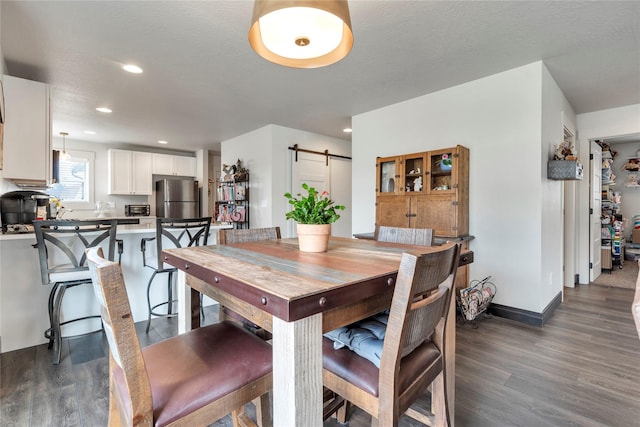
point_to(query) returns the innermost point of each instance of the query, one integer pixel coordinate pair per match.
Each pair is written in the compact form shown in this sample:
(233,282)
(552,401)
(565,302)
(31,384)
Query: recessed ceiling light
(132,68)
(347,130)
(89,132)
(104,109)
(163,142)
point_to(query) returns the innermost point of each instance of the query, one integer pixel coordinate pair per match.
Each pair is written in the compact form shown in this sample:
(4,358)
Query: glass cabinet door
(442,171)
(388,179)
(414,172)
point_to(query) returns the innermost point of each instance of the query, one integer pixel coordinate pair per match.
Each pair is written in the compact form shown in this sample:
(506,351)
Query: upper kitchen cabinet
(166,164)
(130,172)
(27,132)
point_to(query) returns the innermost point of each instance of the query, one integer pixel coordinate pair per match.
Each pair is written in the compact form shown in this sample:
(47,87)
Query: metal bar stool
(61,245)
(182,232)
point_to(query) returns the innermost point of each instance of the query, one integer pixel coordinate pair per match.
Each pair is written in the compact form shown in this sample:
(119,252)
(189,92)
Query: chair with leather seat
(413,350)
(61,245)
(176,233)
(407,236)
(190,379)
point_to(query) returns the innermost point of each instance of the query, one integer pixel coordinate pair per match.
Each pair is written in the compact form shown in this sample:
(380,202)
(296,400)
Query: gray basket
(564,170)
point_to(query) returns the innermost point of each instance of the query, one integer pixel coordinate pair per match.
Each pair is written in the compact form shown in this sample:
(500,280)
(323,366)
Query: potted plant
(314,214)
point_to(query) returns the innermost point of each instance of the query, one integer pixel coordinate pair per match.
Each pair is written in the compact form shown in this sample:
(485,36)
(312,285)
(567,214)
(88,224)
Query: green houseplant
(314,214)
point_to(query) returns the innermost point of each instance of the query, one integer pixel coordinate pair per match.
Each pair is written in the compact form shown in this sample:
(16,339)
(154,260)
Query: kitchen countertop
(123,229)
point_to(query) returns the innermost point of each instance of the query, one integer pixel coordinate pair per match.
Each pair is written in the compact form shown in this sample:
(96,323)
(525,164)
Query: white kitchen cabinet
(166,164)
(27,131)
(130,172)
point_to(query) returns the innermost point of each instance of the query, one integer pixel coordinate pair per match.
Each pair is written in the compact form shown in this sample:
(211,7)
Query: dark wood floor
(581,369)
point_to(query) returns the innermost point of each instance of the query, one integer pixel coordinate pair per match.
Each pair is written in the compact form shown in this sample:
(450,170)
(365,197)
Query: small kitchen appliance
(18,210)
(137,210)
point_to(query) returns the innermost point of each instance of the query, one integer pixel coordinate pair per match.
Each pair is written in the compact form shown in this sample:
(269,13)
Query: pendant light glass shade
(64,156)
(301,33)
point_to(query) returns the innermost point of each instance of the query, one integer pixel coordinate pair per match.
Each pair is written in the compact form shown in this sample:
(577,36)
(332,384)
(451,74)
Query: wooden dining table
(297,296)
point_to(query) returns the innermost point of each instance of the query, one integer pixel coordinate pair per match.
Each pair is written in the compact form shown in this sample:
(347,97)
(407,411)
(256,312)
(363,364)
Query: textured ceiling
(203,84)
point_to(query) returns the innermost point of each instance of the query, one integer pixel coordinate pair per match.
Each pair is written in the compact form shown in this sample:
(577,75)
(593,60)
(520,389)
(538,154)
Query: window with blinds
(75,185)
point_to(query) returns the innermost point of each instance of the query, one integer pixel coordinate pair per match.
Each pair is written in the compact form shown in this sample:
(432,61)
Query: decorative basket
(476,298)
(564,170)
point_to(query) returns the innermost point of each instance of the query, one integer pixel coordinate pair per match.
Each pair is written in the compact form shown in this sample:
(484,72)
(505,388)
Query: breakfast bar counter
(23,298)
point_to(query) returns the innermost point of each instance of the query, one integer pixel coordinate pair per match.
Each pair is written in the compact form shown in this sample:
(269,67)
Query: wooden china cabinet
(425,190)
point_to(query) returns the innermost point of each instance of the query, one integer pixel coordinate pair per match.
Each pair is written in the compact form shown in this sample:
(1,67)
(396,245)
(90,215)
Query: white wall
(499,119)
(557,113)
(599,124)
(265,153)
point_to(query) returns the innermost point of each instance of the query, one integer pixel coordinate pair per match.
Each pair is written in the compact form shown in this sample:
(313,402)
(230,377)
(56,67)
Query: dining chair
(230,236)
(635,306)
(413,350)
(177,233)
(407,236)
(61,245)
(190,379)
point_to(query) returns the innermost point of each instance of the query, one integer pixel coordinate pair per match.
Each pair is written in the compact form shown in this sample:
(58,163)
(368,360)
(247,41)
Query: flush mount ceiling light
(163,142)
(301,33)
(104,110)
(132,68)
(64,156)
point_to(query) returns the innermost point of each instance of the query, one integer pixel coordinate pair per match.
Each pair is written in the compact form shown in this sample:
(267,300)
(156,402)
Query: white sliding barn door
(333,176)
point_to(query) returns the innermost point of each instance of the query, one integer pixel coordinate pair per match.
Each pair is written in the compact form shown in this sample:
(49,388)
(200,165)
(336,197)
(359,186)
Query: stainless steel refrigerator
(177,198)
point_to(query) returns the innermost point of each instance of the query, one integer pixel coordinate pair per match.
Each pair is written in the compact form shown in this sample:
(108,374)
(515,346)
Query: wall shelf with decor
(632,167)
(232,203)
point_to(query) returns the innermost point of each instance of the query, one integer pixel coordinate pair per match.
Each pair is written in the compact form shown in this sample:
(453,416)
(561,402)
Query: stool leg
(57,334)
(170,293)
(149,299)
(49,332)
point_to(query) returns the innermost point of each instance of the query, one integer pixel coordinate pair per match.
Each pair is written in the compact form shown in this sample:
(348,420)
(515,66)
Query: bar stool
(178,232)
(61,245)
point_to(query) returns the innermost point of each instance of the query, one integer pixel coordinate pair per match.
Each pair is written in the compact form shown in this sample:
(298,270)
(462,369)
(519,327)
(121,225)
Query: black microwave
(137,210)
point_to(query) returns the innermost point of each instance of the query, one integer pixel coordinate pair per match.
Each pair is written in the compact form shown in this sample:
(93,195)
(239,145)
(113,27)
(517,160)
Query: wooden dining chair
(413,353)
(407,236)
(190,379)
(230,235)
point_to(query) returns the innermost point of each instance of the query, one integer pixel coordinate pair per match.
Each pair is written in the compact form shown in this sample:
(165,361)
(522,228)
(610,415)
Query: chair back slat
(406,236)
(124,347)
(62,244)
(174,230)
(228,236)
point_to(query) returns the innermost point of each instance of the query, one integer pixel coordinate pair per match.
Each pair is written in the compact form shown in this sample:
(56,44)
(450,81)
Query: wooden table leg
(184,303)
(297,372)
